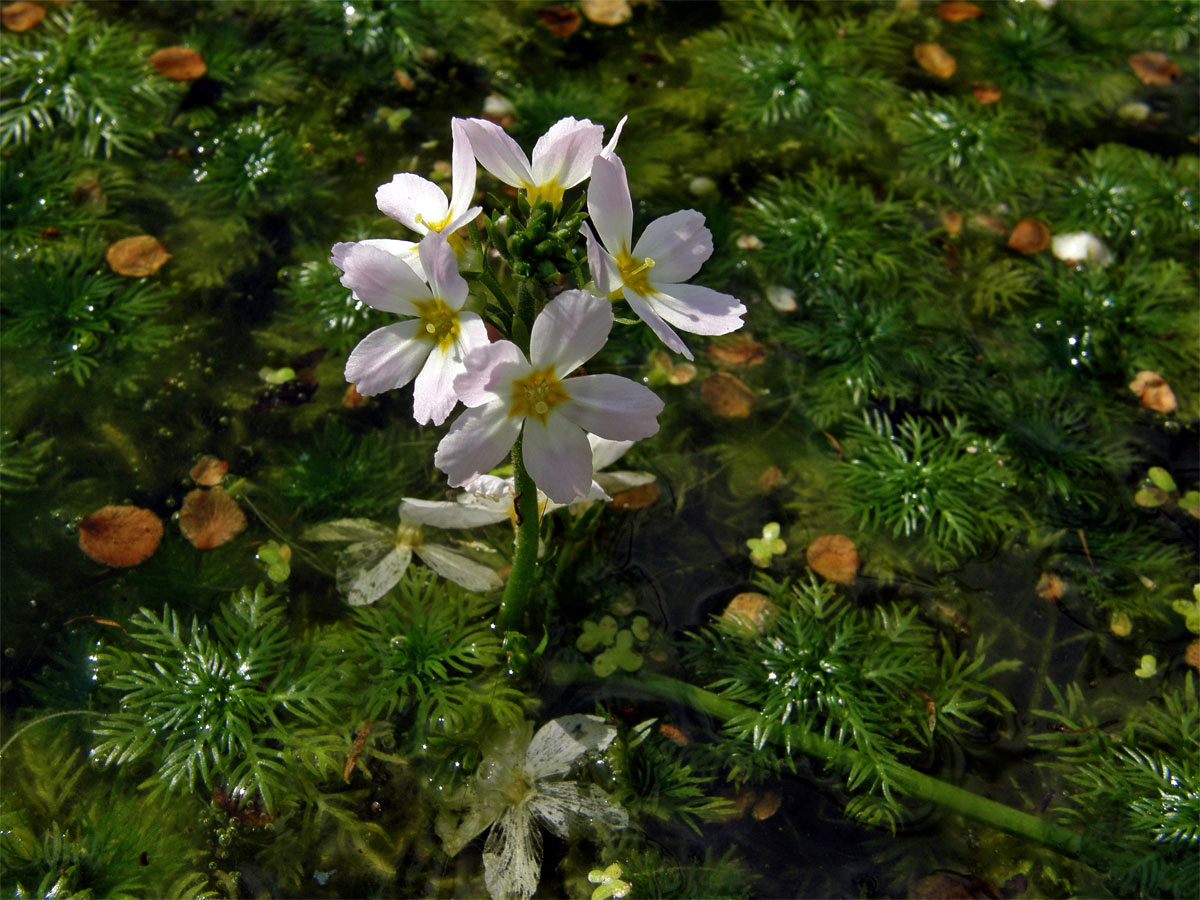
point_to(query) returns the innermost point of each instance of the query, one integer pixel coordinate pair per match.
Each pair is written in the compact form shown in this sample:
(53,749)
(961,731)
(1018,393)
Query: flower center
(550,192)
(409,536)
(435,226)
(633,274)
(518,787)
(536,394)
(439,323)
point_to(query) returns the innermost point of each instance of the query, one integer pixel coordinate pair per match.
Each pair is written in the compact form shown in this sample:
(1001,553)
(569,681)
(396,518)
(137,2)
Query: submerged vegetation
(963,405)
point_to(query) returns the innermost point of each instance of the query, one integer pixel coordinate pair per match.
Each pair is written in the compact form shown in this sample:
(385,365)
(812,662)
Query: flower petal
(600,263)
(477,441)
(557,457)
(621,480)
(402,250)
(611,146)
(441,268)
(433,391)
(679,244)
(382,280)
(367,571)
(700,310)
(462,178)
(497,152)
(560,742)
(606,452)
(612,407)
(464,572)
(347,530)
(610,205)
(449,514)
(564,154)
(387,358)
(512,856)
(490,371)
(489,489)
(664,331)
(412,200)
(569,331)
(569,808)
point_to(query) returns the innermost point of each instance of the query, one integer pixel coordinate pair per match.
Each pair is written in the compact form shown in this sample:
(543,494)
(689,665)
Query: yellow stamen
(439,323)
(550,192)
(409,536)
(537,394)
(435,226)
(633,275)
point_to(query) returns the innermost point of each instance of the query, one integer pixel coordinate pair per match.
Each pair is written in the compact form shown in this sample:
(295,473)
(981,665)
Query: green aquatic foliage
(81,78)
(22,462)
(944,487)
(312,294)
(655,875)
(238,703)
(875,680)
(70,313)
(426,651)
(1135,785)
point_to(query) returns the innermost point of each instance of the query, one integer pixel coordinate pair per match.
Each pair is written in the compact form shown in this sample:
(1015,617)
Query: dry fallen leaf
(406,81)
(957,11)
(674,735)
(607,12)
(561,21)
(637,498)
(952,221)
(727,396)
(1192,655)
(120,535)
(210,518)
(767,805)
(985,92)
(1051,587)
(209,471)
(178,63)
(352,399)
(1153,391)
(1029,236)
(1152,67)
(834,556)
(21,16)
(738,352)
(137,256)
(770,479)
(934,59)
(749,614)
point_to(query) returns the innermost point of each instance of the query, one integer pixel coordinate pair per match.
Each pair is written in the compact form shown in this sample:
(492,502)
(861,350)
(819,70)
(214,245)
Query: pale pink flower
(431,345)
(508,395)
(651,275)
(562,157)
(422,206)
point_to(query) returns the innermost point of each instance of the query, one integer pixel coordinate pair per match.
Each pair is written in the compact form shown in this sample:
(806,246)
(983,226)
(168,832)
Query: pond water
(898,600)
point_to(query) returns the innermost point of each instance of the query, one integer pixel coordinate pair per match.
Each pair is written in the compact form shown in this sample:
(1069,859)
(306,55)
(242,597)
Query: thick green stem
(900,778)
(520,580)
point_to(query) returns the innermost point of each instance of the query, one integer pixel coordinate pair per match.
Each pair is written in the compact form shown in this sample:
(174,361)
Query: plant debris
(210,518)
(137,256)
(834,557)
(727,395)
(178,63)
(607,12)
(209,471)
(739,352)
(958,11)
(120,536)
(749,614)
(1153,391)
(1152,67)
(562,21)
(935,60)
(21,16)
(1029,236)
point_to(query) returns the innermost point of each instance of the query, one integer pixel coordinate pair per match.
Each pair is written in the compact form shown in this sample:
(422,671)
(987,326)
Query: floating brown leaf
(1152,67)
(21,16)
(120,535)
(958,11)
(607,12)
(1153,391)
(352,399)
(561,21)
(637,498)
(209,471)
(935,60)
(770,479)
(952,221)
(985,92)
(406,81)
(738,352)
(1029,236)
(137,256)
(766,805)
(727,396)
(749,614)
(178,63)
(1191,655)
(210,518)
(834,556)
(1051,587)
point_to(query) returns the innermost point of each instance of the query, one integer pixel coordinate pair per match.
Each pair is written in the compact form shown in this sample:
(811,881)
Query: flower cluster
(520,386)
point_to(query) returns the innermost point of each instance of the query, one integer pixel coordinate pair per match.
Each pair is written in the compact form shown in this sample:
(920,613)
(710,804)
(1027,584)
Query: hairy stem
(520,580)
(899,777)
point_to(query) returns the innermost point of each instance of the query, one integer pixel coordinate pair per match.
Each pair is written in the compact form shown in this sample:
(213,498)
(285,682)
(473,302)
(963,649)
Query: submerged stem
(520,580)
(899,777)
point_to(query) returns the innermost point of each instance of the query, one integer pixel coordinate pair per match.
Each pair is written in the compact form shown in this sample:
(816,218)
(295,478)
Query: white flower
(421,205)
(1081,247)
(518,784)
(429,347)
(651,275)
(378,557)
(508,395)
(562,157)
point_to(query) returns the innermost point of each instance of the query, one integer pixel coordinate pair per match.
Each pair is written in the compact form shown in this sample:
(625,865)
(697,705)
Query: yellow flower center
(435,226)
(550,192)
(409,536)
(517,788)
(633,275)
(439,323)
(536,394)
